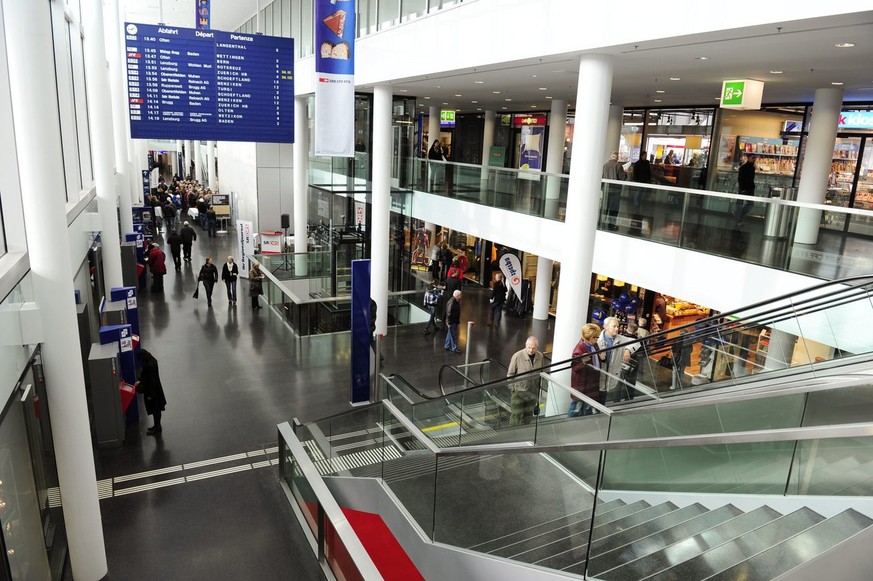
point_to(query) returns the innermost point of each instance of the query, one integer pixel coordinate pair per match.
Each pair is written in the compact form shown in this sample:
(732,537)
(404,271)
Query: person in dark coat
(745,187)
(188,236)
(175,242)
(256,285)
(498,298)
(169,212)
(149,385)
(211,222)
(453,320)
(208,276)
(229,274)
(156,260)
(585,372)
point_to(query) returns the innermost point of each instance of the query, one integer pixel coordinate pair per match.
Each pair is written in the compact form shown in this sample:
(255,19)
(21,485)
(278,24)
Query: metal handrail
(750,437)
(578,394)
(339,522)
(462,374)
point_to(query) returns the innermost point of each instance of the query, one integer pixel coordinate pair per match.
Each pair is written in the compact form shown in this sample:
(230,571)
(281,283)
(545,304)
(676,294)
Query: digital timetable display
(209,85)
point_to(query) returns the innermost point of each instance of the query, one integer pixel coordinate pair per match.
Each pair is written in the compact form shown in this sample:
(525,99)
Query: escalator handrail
(407,383)
(711,324)
(462,374)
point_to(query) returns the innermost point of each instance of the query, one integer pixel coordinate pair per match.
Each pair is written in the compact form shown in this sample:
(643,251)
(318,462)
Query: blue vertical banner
(203,15)
(335,78)
(359,391)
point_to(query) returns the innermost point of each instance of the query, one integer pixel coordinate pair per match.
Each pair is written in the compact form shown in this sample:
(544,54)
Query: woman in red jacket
(585,372)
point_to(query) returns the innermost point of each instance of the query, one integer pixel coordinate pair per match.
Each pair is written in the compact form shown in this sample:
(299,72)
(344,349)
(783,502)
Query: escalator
(762,474)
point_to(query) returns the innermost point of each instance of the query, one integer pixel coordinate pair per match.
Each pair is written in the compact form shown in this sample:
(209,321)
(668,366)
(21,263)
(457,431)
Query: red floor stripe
(387,554)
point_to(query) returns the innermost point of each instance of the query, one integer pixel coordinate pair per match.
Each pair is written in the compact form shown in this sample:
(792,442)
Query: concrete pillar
(198,161)
(613,129)
(543,288)
(301,181)
(555,156)
(433,124)
(180,171)
(114,51)
(583,204)
(382,151)
(817,161)
(210,163)
(102,143)
(33,93)
(487,142)
(189,151)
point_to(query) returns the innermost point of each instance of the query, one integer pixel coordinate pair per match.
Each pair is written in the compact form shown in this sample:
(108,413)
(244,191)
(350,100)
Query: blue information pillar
(122,336)
(360,386)
(128,295)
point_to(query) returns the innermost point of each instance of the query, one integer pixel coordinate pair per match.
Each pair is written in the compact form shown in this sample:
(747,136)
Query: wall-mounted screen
(209,85)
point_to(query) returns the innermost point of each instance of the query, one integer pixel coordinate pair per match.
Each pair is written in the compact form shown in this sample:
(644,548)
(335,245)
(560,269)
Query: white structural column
(433,124)
(101,140)
(817,161)
(555,156)
(583,203)
(487,142)
(35,114)
(198,161)
(554,165)
(111,34)
(382,99)
(212,174)
(179,170)
(189,151)
(613,129)
(301,180)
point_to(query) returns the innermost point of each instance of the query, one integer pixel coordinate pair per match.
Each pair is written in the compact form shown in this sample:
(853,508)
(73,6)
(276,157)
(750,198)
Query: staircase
(662,541)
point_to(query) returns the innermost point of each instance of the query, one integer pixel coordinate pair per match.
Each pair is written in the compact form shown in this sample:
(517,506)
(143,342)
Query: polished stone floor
(202,499)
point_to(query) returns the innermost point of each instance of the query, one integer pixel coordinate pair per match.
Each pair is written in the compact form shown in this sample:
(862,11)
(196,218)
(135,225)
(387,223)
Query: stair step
(687,547)
(799,549)
(737,550)
(542,528)
(657,534)
(563,540)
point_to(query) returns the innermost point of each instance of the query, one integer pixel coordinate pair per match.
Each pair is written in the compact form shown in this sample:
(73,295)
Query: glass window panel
(389,13)
(412,9)
(306,40)
(277,18)
(285,19)
(66,106)
(295,23)
(80,98)
(267,20)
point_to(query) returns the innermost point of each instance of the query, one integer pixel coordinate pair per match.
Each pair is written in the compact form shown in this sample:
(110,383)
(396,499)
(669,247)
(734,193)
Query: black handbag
(197,291)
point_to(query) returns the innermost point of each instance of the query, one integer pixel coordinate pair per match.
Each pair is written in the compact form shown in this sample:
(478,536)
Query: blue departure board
(209,85)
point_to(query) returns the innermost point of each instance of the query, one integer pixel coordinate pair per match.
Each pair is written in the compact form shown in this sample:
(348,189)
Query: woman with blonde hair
(256,289)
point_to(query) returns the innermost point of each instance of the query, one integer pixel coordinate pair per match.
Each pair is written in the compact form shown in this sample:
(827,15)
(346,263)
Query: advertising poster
(510,266)
(203,16)
(335,78)
(531,155)
(246,246)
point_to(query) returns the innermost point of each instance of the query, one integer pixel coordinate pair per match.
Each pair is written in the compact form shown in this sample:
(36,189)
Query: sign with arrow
(741,94)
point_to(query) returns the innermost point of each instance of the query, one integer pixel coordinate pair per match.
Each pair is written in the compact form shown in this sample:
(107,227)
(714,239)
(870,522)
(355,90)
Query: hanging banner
(510,266)
(203,16)
(531,155)
(335,78)
(246,246)
(359,389)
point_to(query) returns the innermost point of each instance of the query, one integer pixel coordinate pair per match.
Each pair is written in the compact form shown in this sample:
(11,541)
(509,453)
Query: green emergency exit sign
(733,92)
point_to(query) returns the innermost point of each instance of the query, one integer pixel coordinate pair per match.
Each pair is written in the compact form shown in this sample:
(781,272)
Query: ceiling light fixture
(844,44)
(702,58)
(504,108)
(657,100)
(445,103)
(661,91)
(427,98)
(458,95)
(548,97)
(534,76)
(544,89)
(404,90)
(533,106)
(507,100)
(836,83)
(479,82)
(495,92)
(675,79)
(775,72)
(474,102)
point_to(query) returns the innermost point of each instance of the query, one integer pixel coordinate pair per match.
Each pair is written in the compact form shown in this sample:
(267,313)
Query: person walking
(229,274)
(453,320)
(525,392)
(175,242)
(208,276)
(746,187)
(157,262)
(431,299)
(585,372)
(188,237)
(256,281)
(169,212)
(498,298)
(149,385)
(211,222)
(611,359)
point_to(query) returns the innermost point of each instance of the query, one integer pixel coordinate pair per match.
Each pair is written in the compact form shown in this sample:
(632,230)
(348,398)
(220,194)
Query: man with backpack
(432,297)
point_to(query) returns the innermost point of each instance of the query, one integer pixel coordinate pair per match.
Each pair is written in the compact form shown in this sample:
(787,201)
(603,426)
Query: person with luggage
(432,297)
(188,237)
(525,392)
(229,274)
(208,276)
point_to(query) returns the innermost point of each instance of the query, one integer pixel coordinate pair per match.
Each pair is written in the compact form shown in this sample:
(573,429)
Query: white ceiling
(803,50)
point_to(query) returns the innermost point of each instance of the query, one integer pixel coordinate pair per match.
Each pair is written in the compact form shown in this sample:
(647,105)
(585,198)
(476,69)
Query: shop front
(851,180)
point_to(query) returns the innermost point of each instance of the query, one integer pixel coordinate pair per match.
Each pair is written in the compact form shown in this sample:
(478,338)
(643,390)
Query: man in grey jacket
(611,361)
